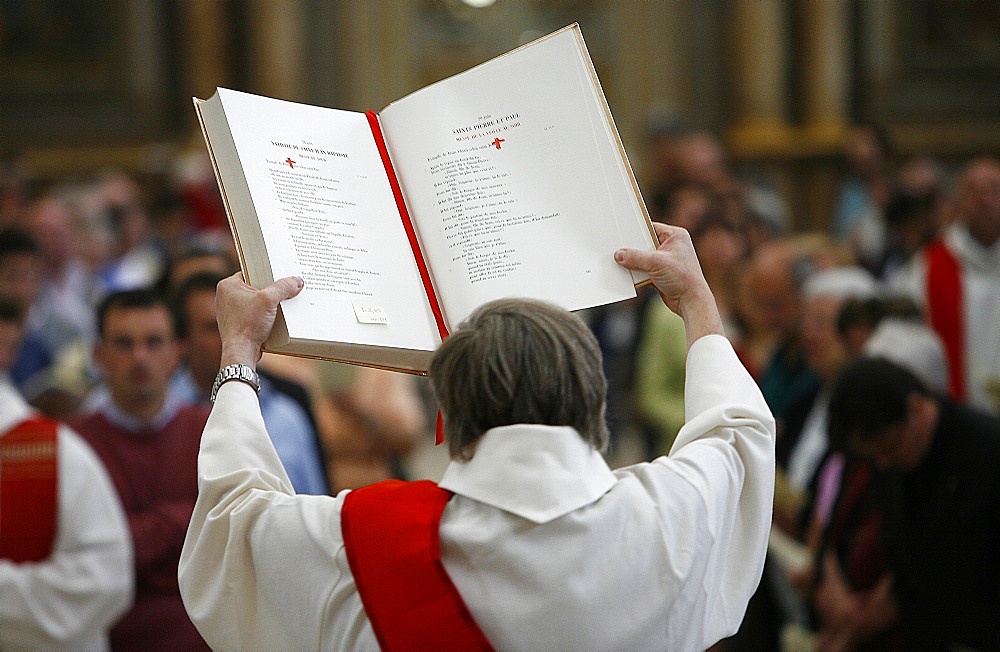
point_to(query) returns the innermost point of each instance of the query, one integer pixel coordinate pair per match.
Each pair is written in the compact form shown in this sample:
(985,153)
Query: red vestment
(28,490)
(945,312)
(391,536)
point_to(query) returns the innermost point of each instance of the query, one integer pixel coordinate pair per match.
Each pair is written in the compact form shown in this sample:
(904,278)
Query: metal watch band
(241,372)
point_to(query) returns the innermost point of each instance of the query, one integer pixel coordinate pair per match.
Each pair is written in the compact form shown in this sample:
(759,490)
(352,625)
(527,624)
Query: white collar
(534,471)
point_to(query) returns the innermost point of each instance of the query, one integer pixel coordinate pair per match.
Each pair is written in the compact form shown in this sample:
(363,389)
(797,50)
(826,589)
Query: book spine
(411,234)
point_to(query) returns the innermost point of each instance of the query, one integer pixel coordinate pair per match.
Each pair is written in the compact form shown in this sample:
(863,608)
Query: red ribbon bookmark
(411,235)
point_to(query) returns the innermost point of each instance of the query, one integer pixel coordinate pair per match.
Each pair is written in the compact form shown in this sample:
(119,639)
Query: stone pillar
(376,42)
(758,41)
(650,67)
(205,59)
(666,55)
(278,39)
(826,70)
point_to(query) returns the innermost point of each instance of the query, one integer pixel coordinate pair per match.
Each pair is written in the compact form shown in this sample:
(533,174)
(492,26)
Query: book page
(516,181)
(327,214)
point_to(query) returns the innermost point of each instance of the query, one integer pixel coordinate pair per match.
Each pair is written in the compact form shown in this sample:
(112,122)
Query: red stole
(945,311)
(28,490)
(393,547)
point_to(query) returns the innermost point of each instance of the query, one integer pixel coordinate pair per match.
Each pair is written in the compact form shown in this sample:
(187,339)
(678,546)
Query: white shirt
(70,600)
(548,547)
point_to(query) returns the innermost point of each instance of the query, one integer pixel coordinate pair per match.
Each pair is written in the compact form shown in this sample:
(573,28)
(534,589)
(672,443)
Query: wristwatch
(242,372)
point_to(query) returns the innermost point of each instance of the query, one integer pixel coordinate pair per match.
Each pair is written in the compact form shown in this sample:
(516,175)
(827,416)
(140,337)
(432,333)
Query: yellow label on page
(369,312)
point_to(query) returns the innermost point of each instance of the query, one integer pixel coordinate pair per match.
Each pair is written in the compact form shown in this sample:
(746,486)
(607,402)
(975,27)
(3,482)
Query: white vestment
(547,546)
(981,307)
(70,600)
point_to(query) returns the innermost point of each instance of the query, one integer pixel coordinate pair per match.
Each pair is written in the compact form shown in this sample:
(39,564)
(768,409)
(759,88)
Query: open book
(506,180)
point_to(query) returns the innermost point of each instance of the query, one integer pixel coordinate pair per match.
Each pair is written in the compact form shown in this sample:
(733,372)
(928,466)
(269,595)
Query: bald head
(772,283)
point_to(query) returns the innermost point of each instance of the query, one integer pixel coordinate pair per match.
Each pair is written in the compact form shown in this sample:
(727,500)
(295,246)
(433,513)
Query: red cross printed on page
(496,142)
(290,162)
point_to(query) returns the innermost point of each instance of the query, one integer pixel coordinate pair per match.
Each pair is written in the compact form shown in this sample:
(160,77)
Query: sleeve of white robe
(72,598)
(276,590)
(714,493)
(725,452)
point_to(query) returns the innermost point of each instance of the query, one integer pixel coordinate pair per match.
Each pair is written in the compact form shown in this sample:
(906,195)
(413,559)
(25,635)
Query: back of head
(203,253)
(14,240)
(904,208)
(519,361)
(870,395)
(20,266)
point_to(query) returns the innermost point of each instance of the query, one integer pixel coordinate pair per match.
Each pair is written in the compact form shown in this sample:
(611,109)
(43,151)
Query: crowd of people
(108,324)
(907,273)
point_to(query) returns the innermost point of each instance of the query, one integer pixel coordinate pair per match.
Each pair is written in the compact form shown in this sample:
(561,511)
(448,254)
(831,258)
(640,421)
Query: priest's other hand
(246,315)
(675,271)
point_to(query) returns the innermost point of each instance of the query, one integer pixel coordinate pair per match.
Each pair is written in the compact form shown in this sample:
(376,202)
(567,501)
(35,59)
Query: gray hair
(519,361)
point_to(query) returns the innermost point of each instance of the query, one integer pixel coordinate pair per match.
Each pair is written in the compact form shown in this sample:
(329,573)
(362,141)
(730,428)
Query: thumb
(284,288)
(635,259)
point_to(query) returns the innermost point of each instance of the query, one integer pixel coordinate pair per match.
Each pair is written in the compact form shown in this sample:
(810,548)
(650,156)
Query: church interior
(815,150)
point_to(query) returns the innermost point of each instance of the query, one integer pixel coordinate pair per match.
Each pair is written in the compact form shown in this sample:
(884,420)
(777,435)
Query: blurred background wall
(86,85)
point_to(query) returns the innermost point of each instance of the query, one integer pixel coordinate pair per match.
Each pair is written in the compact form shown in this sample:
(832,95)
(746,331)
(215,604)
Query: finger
(235,280)
(663,231)
(284,288)
(667,232)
